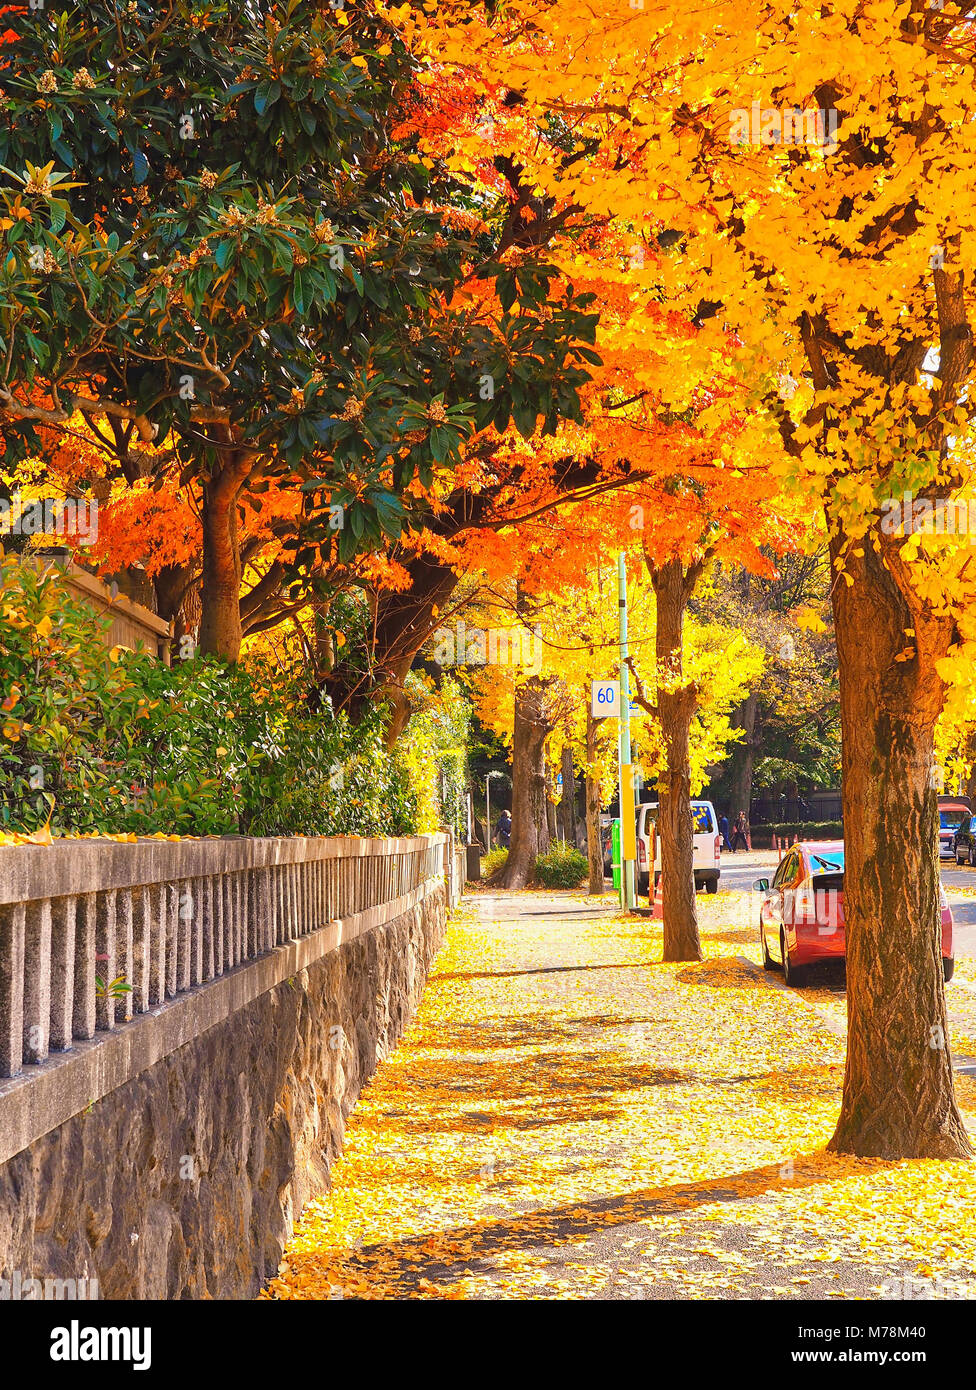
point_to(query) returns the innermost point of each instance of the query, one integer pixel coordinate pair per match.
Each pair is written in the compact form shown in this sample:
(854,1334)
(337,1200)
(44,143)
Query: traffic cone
(657,900)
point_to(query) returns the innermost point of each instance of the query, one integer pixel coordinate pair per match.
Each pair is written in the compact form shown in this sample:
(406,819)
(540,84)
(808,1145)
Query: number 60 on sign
(605,699)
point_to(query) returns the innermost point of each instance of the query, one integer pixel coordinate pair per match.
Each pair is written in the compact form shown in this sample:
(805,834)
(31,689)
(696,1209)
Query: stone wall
(185,1181)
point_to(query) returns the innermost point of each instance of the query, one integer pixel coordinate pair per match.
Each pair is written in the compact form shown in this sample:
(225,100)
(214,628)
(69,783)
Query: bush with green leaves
(493,862)
(93,740)
(562,866)
(804,830)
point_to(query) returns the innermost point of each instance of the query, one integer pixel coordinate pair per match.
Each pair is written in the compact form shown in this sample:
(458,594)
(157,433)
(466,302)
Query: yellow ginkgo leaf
(810,619)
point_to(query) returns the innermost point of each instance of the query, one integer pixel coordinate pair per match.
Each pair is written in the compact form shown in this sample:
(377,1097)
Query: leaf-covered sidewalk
(569,1118)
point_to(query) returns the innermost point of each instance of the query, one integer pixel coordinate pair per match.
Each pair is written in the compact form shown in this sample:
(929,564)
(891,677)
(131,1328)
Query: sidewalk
(569,1119)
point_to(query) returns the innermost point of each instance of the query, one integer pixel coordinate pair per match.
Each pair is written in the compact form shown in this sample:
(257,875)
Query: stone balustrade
(95,932)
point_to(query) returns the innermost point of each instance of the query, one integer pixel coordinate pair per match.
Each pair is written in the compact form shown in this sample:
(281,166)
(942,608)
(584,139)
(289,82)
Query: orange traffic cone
(657,901)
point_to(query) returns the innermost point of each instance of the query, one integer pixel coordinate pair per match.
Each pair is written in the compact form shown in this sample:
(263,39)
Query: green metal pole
(628,876)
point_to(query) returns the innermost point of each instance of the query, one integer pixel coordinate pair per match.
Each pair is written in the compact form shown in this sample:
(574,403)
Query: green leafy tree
(214,238)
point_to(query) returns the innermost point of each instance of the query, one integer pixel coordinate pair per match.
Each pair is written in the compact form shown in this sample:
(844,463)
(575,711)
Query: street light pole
(628,815)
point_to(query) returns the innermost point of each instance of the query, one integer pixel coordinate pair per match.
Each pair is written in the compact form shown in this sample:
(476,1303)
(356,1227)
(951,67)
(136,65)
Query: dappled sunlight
(562,1088)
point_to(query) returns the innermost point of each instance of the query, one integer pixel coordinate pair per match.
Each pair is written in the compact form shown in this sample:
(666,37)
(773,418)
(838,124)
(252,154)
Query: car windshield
(832,863)
(951,819)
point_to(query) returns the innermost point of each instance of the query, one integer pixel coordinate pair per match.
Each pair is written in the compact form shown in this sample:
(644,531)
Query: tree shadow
(467,1249)
(545,1090)
(449,975)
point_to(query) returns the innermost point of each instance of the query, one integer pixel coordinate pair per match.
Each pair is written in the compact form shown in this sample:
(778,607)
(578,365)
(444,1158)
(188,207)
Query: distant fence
(133,626)
(815,807)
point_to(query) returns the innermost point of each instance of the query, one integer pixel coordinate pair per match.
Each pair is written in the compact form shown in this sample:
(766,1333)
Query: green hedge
(804,830)
(493,862)
(562,866)
(117,743)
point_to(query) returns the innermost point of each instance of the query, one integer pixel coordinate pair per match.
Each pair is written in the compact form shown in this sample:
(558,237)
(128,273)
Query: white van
(708,845)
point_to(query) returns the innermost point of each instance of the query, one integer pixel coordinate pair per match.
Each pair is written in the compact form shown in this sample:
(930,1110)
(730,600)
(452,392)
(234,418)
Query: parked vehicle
(951,817)
(708,846)
(606,840)
(964,841)
(801,920)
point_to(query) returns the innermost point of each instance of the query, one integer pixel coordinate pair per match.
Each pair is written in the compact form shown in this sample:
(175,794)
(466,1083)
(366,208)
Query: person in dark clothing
(503,830)
(723,827)
(739,836)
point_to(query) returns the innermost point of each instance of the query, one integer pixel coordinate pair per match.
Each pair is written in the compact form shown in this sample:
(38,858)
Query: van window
(702,820)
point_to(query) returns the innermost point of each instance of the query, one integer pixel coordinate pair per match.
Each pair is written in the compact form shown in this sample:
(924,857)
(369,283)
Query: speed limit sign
(605,699)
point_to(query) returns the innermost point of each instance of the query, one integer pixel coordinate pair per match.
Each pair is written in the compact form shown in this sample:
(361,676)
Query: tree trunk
(567,806)
(743,758)
(677,701)
(594,801)
(530,829)
(221,633)
(899,1098)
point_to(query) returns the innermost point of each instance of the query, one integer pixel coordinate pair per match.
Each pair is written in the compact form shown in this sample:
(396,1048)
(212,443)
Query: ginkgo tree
(805,177)
(536,697)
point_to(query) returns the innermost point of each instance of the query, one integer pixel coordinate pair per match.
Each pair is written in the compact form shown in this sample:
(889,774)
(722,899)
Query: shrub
(93,740)
(493,862)
(562,866)
(804,830)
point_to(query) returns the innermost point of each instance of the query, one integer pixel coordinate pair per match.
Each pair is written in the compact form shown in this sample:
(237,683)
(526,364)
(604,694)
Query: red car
(802,916)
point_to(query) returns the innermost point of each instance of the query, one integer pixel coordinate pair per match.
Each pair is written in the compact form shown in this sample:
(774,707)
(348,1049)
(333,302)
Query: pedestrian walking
(740,834)
(723,827)
(503,830)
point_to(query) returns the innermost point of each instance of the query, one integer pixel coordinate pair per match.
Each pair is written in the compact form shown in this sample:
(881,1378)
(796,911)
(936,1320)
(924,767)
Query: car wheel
(711,885)
(948,967)
(768,962)
(793,975)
